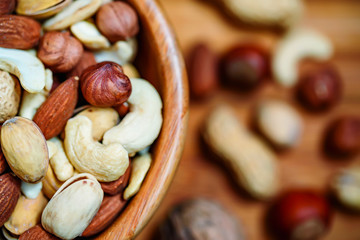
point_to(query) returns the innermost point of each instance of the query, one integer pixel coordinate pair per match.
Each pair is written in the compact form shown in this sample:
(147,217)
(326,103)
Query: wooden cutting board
(303,166)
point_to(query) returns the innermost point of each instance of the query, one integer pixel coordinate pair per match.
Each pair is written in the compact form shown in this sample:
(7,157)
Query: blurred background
(304,165)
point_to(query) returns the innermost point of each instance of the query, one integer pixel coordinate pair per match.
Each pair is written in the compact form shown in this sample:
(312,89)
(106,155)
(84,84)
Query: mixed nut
(77,119)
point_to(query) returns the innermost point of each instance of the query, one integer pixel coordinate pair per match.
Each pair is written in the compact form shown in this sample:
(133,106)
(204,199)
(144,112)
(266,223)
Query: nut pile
(77,119)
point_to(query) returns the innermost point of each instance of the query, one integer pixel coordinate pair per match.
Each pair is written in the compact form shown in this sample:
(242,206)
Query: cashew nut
(139,168)
(32,101)
(59,161)
(31,190)
(131,71)
(29,69)
(278,13)
(253,163)
(121,52)
(102,120)
(89,35)
(75,12)
(106,162)
(297,45)
(141,126)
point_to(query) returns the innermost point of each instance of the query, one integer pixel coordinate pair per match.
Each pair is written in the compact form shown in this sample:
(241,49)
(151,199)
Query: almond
(37,232)
(110,207)
(117,186)
(53,114)
(3,164)
(9,194)
(18,32)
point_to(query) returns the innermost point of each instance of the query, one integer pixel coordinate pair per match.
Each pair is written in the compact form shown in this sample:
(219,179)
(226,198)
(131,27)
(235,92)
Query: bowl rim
(176,104)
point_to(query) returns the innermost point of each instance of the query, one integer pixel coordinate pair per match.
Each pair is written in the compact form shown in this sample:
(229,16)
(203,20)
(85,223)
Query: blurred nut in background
(300,215)
(244,66)
(117,21)
(279,123)
(202,71)
(200,219)
(87,59)
(320,90)
(59,51)
(343,136)
(7,6)
(346,187)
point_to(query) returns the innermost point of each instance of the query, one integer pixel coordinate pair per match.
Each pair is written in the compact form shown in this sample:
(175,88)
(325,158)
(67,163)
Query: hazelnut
(87,59)
(7,6)
(320,90)
(122,109)
(244,66)
(342,137)
(105,84)
(117,21)
(59,51)
(202,71)
(300,215)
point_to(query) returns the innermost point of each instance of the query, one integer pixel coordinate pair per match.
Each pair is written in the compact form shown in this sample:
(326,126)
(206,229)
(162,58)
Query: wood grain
(304,166)
(160,62)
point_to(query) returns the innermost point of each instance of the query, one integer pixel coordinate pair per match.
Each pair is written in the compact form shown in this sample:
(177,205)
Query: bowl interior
(159,61)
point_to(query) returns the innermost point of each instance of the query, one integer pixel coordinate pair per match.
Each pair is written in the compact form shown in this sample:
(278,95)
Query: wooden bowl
(159,61)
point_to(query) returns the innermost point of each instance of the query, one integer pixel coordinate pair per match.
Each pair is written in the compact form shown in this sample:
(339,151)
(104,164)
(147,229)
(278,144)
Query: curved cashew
(102,120)
(106,162)
(75,12)
(29,69)
(89,35)
(121,52)
(141,126)
(297,45)
(59,161)
(139,168)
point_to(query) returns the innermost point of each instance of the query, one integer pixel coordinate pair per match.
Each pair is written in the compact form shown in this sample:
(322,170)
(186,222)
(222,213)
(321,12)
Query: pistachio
(73,206)
(25,149)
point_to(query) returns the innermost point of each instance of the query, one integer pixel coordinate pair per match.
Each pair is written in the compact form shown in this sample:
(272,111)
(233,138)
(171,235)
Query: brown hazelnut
(87,59)
(117,21)
(7,6)
(343,136)
(320,90)
(122,109)
(105,84)
(244,66)
(300,215)
(59,51)
(202,71)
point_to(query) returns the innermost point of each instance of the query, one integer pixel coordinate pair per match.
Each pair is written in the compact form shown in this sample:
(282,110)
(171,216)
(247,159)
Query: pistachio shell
(73,206)
(25,149)
(40,8)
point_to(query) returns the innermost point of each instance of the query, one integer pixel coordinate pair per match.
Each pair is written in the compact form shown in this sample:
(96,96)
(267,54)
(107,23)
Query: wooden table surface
(303,166)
